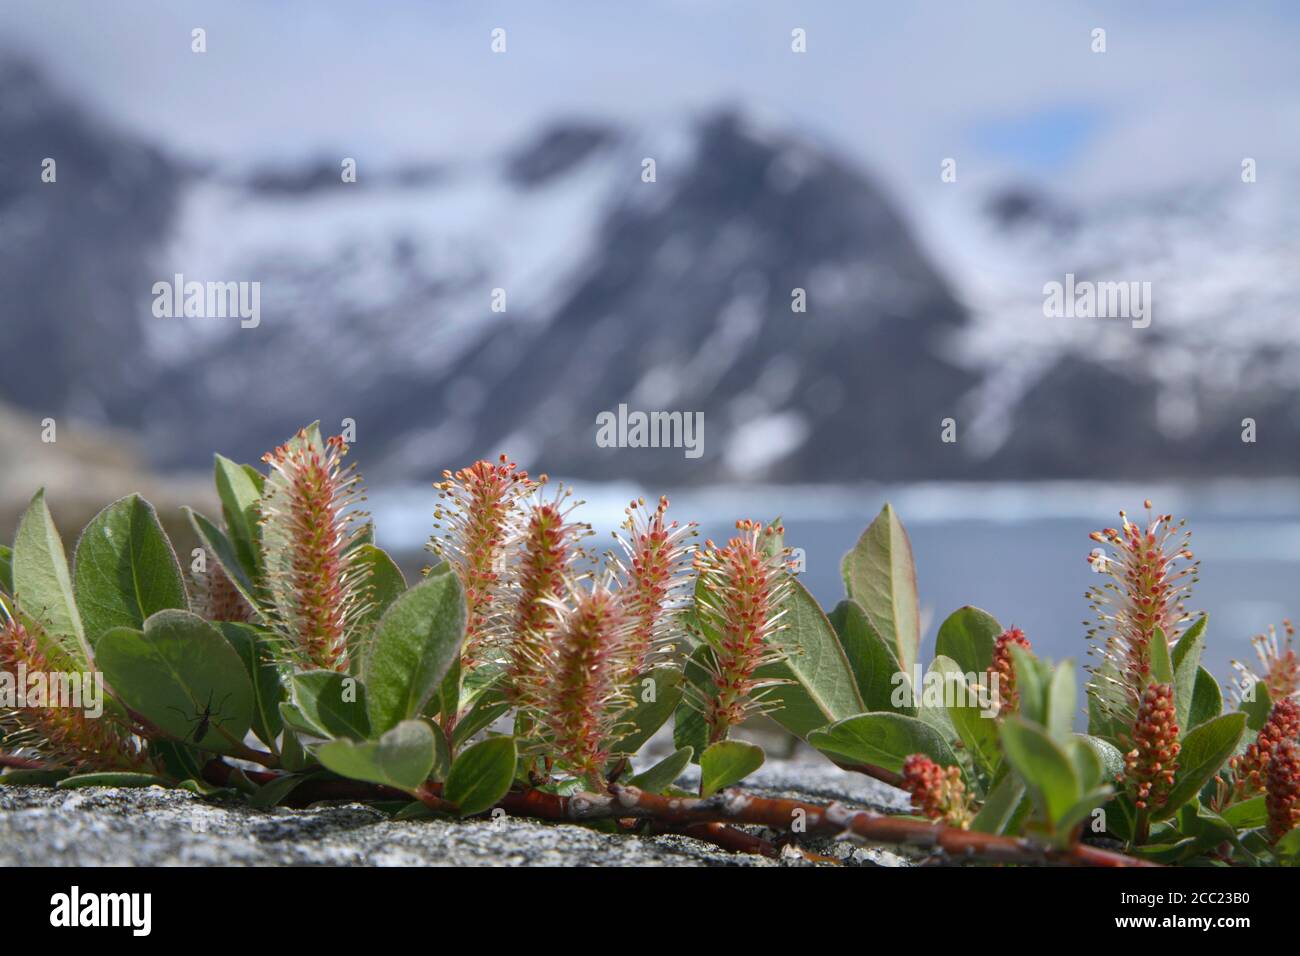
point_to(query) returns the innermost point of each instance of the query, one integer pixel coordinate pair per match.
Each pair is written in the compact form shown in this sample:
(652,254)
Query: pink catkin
(1250,770)
(937,792)
(478,519)
(746,583)
(1149,768)
(541,580)
(581,697)
(65,736)
(1283,790)
(309,527)
(1150,572)
(657,556)
(1003,667)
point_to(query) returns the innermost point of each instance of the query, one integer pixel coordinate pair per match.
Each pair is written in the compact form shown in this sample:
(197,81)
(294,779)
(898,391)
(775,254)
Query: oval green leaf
(403,757)
(880,575)
(183,676)
(882,740)
(1043,765)
(481,775)
(1204,750)
(112,779)
(414,645)
(820,686)
(665,773)
(333,702)
(42,582)
(384,579)
(657,694)
(124,568)
(726,763)
(871,659)
(254,649)
(968,636)
(241,494)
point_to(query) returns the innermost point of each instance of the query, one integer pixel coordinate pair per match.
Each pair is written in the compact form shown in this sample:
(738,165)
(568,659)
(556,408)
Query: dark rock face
(689,308)
(559,149)
(74,252)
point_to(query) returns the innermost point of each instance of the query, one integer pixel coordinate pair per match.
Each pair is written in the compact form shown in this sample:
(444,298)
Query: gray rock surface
(156,827)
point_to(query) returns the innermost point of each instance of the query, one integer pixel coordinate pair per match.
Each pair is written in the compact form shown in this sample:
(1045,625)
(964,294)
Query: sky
(1009,89)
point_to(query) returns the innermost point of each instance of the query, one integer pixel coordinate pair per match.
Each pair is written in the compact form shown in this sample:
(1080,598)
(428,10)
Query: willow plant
(525,672)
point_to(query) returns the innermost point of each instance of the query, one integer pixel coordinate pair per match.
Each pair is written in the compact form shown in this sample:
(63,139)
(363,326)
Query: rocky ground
(156,827)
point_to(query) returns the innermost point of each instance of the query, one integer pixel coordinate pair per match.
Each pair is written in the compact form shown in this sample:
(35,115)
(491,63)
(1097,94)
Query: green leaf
(1207,699)
(880,575)
(820,684)
(254,650)
(1248,814)
(1121,817)
(6,570)
(32,778)
(1162,665)
(1112,760)
(441,755)
(384,577)
(414,645)
(1087,761)
(1043,765)
(218,545)
(241,496)
(178,760)
(481,775)
(968,636)
(1102,722)
(293,753)
(124,568)
(1186,662)
(278,790)
(112,779)
(689,728)
(882,740)
(176,671)
(1081,810)
(1257,705)
(1032,681)
(727,763)
(1287,849)
(972,718)
(1061,696)
(450,698)
(665,773)
(333,702)
(1204,750)
(657,694)
(42,581)
(295,720)
(1000,806)
(872,661)
(489,704)
(403,757)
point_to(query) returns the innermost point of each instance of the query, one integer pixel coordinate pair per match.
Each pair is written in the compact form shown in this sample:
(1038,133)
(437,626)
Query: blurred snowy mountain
(674,295)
